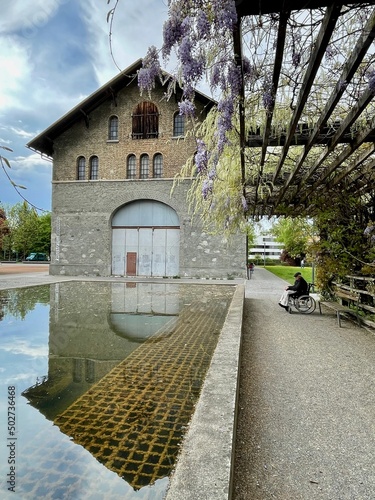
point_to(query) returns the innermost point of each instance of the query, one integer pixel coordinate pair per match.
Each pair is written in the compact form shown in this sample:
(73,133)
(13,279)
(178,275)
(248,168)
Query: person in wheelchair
(299,288)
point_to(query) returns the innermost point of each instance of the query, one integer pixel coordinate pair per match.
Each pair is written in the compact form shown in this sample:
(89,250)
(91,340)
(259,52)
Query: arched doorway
(145,240)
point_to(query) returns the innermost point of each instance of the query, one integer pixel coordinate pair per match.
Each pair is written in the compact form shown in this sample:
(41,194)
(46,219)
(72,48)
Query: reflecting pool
(102,378)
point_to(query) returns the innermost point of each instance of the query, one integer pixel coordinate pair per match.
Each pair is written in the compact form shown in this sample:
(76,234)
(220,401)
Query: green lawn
(287,272)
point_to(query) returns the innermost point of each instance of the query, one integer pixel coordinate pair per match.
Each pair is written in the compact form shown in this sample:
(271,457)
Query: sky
(53,54)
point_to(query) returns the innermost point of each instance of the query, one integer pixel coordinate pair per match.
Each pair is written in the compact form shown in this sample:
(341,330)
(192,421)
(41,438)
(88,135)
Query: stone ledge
(204,467)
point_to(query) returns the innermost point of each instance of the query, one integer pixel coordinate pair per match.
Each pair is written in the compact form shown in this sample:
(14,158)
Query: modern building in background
(265,247)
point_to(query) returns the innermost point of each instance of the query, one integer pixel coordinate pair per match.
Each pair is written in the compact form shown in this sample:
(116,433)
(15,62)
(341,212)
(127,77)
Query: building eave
(43,143)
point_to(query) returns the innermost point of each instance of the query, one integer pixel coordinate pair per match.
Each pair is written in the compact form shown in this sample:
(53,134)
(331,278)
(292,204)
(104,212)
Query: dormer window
(145,121)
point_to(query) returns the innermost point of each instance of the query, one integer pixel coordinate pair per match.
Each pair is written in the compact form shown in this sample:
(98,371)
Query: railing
(357,294)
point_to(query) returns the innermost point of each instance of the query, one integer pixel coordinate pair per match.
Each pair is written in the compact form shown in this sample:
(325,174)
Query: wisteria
(371,81)
(200,34)
(150,70)
(186,108)
(201,157)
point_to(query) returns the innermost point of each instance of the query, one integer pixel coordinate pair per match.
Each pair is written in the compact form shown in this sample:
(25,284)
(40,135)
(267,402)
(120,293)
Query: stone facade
(82,210)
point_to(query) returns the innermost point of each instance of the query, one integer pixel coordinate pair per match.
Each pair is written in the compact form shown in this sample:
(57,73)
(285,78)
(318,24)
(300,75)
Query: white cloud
(25,348)
(136,26)
(14,63)
(27,17)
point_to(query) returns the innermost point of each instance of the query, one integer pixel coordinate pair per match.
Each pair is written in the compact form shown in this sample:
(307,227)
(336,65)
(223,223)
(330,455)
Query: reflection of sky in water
(24,347)
(64,345)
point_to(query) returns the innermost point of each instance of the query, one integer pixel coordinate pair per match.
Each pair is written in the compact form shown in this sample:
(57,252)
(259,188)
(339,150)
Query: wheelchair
(304,304)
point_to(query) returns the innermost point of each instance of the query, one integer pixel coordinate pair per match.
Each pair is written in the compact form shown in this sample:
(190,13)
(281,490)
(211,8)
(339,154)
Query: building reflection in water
(126,364)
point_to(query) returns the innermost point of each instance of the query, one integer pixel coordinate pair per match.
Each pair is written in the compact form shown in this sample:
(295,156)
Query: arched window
(144,167)
(94,168)
(81,168)
(178,125)
(158,166)
(113,128)
(145,121)
(131,167)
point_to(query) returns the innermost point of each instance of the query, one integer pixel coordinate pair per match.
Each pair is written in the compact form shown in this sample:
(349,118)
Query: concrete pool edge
(204,466)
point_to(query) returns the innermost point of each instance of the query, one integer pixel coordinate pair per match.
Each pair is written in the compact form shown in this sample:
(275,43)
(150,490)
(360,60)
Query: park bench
(348,305)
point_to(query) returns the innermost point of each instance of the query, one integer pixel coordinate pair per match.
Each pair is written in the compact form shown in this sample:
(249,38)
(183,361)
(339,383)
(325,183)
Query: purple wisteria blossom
(234,79)
(268,100)
(201,157)
(371,81)
(203,25)
(173,29)
(207,188)
(226,14)
(296,58)
(150,70)
(224,123)
(186,108)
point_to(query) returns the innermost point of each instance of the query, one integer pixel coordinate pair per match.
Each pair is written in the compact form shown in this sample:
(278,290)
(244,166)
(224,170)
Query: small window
(81,168)
(178,125)
(94,168)
(144,167)
(145,121)
(113,129)
(131,167)
(158,166)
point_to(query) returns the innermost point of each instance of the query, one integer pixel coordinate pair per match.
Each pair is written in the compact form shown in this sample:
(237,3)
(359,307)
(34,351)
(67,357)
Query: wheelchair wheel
(305,304)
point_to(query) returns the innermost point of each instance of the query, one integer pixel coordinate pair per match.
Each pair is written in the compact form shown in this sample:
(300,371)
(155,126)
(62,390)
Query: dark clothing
(300,286)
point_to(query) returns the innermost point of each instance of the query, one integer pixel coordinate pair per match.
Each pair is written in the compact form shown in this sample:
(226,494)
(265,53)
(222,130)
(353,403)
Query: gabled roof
(43,143)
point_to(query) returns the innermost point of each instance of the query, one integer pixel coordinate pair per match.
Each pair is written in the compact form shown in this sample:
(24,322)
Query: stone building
(114,158)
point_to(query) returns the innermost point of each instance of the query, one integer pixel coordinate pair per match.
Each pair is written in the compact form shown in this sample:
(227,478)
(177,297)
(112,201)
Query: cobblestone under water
(133,420)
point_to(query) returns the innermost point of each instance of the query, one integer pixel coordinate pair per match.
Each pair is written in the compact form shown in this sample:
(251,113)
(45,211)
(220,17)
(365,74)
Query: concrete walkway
(306,420)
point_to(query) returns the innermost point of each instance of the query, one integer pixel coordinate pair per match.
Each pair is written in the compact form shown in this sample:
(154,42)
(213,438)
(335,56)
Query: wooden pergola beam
(325,33)
(348,151)
(350,118)
(347,74)
(275,83)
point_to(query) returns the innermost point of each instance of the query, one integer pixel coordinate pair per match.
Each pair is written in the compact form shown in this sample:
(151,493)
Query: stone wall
(82,234)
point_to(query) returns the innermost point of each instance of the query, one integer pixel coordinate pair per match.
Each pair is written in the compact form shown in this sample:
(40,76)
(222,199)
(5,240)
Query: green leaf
(6,162)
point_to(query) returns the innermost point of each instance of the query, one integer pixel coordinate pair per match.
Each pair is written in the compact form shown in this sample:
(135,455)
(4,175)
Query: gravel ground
(306,423)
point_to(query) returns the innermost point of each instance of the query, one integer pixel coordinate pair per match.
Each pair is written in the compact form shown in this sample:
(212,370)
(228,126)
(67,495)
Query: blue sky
(52,55)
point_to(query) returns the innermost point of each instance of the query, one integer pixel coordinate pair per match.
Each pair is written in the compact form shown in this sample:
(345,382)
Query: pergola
(326,142)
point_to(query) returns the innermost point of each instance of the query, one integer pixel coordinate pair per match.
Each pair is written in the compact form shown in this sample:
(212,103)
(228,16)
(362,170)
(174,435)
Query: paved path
(306,424)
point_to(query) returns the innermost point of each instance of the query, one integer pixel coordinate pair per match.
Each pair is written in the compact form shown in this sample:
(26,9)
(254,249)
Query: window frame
(144,170)
(178,125)
(131,170)
(113,130)
(81,168)
(158,166)
(94,168)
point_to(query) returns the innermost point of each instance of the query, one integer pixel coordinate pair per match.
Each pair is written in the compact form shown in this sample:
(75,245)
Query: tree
(27,231)
(296,235)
